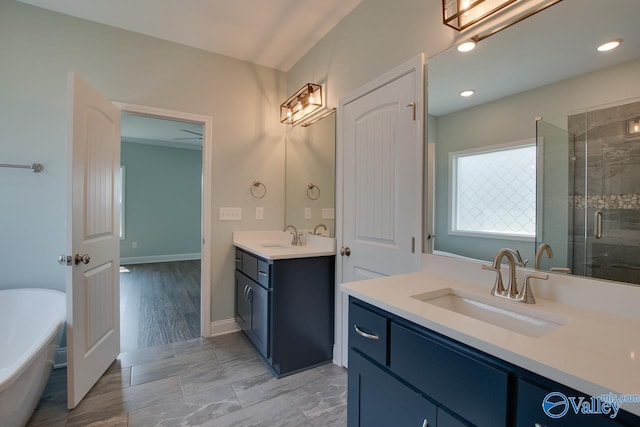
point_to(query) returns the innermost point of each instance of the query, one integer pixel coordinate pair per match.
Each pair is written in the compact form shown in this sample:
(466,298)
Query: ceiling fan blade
(189,131)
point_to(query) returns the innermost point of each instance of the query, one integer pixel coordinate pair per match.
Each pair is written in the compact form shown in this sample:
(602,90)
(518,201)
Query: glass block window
(493,191)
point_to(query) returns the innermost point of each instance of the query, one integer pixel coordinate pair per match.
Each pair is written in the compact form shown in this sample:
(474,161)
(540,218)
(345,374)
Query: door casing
(207,183)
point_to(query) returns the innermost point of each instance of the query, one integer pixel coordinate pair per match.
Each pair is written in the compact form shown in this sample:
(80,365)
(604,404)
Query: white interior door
(93,282)
(382,147)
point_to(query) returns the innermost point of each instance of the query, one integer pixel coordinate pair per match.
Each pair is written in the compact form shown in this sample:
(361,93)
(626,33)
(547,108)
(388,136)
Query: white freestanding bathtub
(31,324)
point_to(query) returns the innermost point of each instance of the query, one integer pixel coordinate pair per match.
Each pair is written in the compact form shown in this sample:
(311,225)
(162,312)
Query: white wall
(375,37)
(38,47)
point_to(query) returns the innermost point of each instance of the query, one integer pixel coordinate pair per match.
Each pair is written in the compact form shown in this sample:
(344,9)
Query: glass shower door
(555,186)
(608,175)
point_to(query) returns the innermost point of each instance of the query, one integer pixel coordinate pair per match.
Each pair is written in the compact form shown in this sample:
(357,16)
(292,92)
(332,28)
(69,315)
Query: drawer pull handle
(364,334)
(262,273)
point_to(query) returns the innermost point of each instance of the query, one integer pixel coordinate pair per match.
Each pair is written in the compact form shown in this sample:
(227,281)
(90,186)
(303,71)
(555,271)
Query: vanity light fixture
(466,46)
(610,45)
(302,103)
(461,14)
(467,93)
(633,126)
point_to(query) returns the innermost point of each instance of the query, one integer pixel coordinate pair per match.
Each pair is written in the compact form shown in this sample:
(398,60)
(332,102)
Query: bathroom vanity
(284,299)
(414,360)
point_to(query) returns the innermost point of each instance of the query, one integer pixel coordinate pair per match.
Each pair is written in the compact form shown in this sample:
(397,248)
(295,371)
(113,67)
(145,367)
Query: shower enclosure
(589,191)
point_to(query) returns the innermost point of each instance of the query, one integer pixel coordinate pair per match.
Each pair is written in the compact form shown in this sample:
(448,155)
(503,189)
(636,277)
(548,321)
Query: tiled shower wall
(607,178)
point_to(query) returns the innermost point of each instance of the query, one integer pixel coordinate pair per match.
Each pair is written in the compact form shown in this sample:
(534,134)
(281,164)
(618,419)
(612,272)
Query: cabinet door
(259,299)
(242,307)
(375,398)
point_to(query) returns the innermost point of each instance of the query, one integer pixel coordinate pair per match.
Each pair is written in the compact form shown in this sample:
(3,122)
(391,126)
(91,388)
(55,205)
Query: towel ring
(311,194)
(255,189)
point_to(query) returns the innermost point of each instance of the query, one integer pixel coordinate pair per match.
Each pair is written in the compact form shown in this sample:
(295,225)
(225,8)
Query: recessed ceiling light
(611,44)
(466,46)
(467,93)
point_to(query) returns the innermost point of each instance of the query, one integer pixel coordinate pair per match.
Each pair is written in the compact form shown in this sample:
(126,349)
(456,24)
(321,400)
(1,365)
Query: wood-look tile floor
(217,381)
(159,304)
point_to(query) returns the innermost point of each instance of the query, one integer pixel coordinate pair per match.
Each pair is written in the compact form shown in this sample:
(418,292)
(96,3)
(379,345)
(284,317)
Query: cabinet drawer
(263,273)
(368,333)
(250,265)
(466,385)
(238,259)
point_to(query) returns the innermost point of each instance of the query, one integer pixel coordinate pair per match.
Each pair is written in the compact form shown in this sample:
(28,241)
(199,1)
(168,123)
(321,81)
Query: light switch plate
(307,213)
(230,214)
(328,213)
(259,212)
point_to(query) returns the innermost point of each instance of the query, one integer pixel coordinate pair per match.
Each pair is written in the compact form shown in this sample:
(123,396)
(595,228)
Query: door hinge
(413,106)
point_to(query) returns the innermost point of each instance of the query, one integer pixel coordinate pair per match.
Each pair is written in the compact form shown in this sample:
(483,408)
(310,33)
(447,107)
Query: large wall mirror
(310,176)
(547,149)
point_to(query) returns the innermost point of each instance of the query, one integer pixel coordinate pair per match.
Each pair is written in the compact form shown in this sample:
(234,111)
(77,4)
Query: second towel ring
(255,186)
(311,194)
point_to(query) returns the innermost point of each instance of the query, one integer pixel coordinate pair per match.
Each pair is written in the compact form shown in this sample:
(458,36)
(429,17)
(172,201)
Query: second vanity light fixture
(302,103)
(461,14)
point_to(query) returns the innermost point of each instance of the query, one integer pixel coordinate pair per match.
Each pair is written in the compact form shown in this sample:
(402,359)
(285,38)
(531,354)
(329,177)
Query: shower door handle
(597,224)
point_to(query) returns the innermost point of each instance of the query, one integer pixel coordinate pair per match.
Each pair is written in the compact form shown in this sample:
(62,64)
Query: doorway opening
(165,223)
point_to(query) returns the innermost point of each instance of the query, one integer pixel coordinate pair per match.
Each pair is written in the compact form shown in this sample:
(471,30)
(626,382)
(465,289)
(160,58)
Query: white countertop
(275,244)
(594,352)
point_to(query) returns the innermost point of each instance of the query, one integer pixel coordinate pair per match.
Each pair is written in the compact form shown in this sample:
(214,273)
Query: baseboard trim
(159,258)
(60,358)
(222,327)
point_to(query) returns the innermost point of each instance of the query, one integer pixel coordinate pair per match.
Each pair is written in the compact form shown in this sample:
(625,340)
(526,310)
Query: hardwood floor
(218,381)
(159,304)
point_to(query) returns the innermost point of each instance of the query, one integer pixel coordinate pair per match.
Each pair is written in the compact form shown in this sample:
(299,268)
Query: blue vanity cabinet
(252,311)
(285,307)
(383,399)
(467,384)
(402,374)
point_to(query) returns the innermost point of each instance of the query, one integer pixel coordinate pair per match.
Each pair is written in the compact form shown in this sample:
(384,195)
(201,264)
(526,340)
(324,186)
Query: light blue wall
(162,200)
(39,47)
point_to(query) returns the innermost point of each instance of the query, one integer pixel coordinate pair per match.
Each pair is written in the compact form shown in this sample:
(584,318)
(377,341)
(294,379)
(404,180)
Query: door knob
(81,259)
(345,251)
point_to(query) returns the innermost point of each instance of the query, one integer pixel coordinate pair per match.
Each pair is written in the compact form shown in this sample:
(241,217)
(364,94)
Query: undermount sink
(275,245)
(505,314)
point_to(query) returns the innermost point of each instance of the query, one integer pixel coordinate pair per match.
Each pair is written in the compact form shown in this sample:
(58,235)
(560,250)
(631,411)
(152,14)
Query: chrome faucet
(511,291)
(315,230)
(543,248)
(294,240)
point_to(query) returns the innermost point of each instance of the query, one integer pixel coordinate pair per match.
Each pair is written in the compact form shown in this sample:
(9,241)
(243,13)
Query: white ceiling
(556,44)
(273,33)
(161,132)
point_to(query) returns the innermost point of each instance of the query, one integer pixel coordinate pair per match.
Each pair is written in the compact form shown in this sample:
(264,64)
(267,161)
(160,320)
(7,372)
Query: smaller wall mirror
(310,177)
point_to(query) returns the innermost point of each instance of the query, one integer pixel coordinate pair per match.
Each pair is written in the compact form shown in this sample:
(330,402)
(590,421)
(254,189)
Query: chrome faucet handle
(498,287)
(526,295)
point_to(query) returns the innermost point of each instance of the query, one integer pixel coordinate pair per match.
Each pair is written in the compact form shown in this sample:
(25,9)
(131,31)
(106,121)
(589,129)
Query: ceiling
(161,132)
(272,33)
(556,44)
